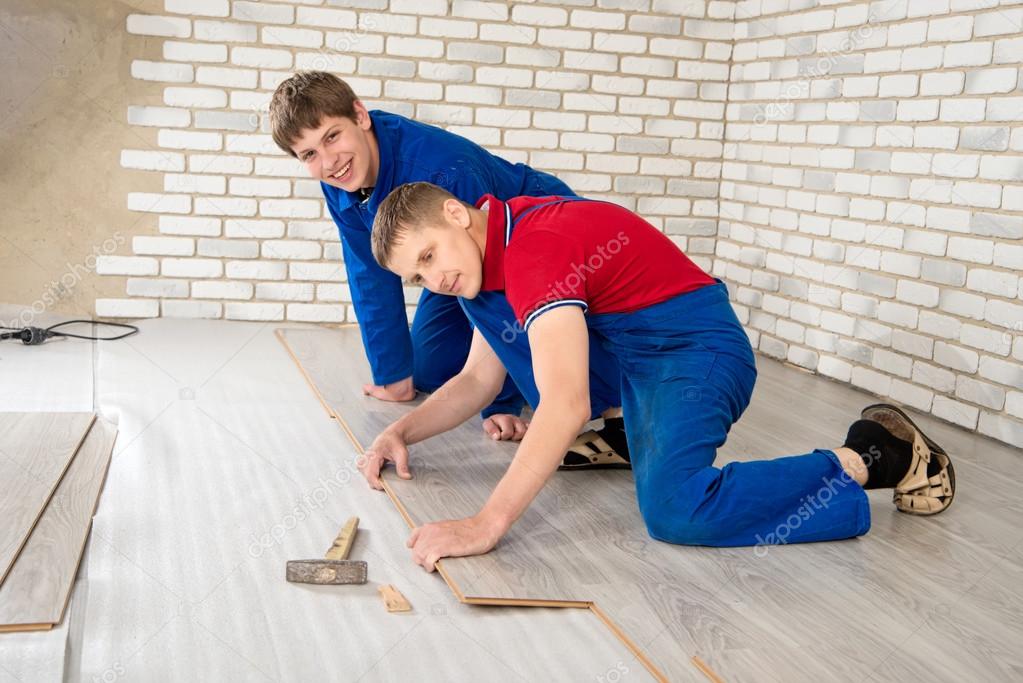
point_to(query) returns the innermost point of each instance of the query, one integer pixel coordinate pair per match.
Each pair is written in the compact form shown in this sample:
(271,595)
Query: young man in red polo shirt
(571,266)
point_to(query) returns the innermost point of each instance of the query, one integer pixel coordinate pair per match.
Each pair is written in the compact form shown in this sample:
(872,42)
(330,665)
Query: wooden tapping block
(335,568)
(393,599)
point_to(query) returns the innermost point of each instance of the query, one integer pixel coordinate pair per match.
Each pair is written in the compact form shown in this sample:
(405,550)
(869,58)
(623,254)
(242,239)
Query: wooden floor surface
(937,597)
(35,451)
(35,592)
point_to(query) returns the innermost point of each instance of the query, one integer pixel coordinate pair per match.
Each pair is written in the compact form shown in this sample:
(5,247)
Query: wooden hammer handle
(343,542)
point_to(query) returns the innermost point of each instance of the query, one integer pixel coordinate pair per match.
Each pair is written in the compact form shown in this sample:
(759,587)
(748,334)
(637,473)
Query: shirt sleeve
(543,271)
(379,305)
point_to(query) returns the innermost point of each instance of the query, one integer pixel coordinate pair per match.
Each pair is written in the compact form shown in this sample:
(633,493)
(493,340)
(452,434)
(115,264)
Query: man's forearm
(460,398)
(552,430)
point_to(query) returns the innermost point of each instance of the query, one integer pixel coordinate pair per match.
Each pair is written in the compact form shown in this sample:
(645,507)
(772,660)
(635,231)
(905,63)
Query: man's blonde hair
(302,101)
(408,207)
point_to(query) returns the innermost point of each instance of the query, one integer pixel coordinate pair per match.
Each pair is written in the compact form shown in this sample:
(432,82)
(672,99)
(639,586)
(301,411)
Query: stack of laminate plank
(52,469)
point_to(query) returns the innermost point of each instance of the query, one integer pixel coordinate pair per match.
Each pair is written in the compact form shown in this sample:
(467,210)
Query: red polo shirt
(591,254)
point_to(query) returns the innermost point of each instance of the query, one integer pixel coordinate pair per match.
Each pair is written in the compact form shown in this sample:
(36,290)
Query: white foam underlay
(225,467)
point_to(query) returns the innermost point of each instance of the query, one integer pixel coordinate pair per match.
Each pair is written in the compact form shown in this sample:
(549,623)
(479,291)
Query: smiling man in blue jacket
(359,156)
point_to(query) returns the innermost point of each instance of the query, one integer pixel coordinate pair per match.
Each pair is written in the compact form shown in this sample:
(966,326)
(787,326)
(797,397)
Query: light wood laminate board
(35,451)
(36,591)
(583,540)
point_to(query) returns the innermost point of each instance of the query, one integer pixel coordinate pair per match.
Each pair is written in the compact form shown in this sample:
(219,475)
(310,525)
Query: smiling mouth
(453,288)
(343,172)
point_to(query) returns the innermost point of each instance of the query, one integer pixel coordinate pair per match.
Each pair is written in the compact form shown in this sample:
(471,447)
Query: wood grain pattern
(36,590)
(751,615)
(394,601)
(35,451)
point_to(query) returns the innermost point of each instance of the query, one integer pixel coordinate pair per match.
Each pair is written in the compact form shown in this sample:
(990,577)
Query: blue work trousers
(493,315)
(441,335)
(687,373)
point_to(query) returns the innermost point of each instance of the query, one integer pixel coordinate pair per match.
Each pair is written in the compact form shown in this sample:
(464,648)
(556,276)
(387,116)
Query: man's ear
(455,212)
(362,118)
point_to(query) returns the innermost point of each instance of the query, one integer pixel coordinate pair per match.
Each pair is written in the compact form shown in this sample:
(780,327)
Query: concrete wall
(872,194)
(62,101)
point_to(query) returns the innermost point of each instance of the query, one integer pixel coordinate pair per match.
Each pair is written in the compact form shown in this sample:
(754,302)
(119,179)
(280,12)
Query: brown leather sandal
(916,493)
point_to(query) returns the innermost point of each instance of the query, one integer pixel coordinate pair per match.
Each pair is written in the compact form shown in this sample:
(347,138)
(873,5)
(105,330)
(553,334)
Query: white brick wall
(854,172)
(906,201)
(612,97)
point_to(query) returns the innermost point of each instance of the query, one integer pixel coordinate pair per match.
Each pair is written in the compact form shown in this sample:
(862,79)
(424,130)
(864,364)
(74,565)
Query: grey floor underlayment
(225,467)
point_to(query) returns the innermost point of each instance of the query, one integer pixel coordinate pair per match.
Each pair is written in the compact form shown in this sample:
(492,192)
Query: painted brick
(127,308)
(224,31)
(222,290)
(190,225)
(256,270)
(206,8)
(193,52)
(163,246)
(190,309)
(158,203)
(186,139)
(169,72)
(254,311)
(262,12)
(316,313)
(152,160)
(109,264)
(149,25)
(191,267)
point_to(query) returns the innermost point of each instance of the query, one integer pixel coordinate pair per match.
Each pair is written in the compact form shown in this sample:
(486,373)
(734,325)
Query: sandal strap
(916,476)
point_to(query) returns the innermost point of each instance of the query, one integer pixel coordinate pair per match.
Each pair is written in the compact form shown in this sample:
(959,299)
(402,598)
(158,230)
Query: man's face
(340,152)
(441,256)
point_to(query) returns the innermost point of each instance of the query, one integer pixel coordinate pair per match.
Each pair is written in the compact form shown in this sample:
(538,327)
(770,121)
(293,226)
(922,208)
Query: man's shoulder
(426,148)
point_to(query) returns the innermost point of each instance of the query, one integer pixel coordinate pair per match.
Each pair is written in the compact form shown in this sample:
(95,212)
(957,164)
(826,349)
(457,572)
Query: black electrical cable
(32,336)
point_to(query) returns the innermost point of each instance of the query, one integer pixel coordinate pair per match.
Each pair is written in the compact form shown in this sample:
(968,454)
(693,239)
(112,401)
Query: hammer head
(326,571)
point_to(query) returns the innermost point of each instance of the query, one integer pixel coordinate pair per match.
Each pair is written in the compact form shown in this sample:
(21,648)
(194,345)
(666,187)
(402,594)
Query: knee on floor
(681,525)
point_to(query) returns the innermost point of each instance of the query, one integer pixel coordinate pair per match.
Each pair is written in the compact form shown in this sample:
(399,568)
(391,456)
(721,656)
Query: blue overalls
(436,347)
(687,375)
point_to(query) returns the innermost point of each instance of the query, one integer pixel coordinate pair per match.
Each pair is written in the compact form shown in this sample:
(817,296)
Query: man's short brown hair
(408,207)
(302,101)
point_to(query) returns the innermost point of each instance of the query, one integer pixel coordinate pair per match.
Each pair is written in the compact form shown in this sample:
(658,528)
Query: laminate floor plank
(35,451)
(787,613)
(36,590)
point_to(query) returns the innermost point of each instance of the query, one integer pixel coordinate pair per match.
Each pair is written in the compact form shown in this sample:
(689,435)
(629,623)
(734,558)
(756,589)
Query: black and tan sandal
(916,493)
(592,452)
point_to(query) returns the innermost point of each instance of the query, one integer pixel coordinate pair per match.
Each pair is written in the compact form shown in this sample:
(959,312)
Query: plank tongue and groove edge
(35,452)
(332,363)
(36,591)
